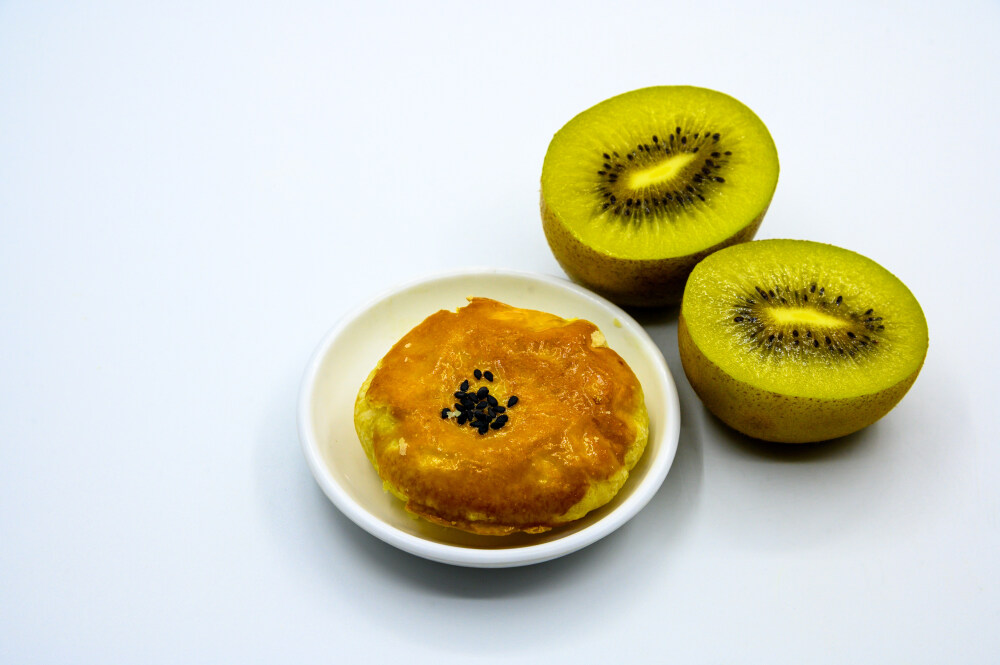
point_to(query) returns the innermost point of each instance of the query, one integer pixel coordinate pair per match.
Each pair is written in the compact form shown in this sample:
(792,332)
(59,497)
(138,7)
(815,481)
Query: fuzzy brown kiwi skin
(774,417)
(630,282)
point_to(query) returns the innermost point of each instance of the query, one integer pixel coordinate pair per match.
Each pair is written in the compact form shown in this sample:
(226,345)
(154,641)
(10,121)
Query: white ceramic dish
(355,345)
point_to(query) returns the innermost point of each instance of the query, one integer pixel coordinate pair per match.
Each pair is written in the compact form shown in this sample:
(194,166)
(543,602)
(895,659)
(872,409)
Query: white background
(192,193)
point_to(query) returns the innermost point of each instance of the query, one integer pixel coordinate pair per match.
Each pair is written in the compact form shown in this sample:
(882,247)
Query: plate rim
(498,557)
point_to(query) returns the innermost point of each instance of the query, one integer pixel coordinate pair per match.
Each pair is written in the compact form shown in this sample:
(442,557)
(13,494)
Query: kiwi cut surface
(638,188)
(791,340)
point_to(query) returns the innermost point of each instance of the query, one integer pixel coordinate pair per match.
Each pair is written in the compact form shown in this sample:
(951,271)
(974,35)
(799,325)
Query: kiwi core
(663,173)
(804,316)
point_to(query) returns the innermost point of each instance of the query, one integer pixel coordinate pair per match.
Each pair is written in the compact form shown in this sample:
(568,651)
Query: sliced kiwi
(637,189)
(795,341)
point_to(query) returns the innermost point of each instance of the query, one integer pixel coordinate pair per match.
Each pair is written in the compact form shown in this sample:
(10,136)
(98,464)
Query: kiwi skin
(629,282)
(771,416)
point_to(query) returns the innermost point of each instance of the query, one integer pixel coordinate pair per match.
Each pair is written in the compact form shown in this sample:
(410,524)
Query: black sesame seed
(484,428)
(488,376)
(503,418)
(462,419)
(459,394)
(491,400)
(482,405)
(496,424)
(482,392)
(499,408)
(458,407)
(478,374)
(444,412)
(464,386)
(512,401)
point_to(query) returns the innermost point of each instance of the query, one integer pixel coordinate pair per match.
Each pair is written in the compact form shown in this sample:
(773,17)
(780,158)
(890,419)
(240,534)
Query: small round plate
(355,345)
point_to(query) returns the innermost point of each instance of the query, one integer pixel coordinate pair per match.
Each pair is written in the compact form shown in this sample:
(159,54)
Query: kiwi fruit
(797,341)
(639,188)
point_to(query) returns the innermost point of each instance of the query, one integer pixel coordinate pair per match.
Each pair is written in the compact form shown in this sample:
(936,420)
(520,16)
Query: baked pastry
(495,419)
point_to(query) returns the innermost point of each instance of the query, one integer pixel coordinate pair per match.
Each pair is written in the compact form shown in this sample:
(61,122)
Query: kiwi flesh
(797,341)
(639,188)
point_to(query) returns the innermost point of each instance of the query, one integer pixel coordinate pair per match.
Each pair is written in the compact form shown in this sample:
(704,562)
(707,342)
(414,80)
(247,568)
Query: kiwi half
(639,188)
(796,341)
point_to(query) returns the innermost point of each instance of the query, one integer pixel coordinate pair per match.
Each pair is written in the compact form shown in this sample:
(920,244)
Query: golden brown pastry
(563,447)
